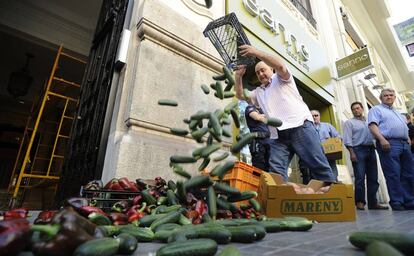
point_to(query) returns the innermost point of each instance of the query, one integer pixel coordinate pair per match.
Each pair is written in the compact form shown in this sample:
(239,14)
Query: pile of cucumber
(383,243)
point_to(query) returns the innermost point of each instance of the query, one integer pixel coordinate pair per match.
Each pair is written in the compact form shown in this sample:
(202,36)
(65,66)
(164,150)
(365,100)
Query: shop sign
(312,206)
(296,50)
(353,64)
(405,31)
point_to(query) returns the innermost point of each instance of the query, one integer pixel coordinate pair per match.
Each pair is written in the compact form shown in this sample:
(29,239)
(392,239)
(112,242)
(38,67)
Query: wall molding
(148,30)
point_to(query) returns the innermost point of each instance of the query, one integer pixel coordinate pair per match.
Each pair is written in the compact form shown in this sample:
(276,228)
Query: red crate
(243,177)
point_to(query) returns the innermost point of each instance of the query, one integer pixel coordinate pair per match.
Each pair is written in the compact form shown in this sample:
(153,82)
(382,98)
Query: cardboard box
(332,148)
(279,200)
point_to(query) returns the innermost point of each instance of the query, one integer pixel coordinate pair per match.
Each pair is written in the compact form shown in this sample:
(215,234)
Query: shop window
(304,7)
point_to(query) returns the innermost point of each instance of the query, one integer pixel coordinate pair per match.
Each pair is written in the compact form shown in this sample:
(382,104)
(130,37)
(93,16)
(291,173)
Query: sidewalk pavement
(326,238)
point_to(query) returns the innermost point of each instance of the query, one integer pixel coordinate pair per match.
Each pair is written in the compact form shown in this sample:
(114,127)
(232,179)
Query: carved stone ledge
(149,31)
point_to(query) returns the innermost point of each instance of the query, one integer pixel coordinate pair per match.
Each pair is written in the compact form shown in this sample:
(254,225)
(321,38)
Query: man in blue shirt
(393,145)
(325,131)
(260,147)
(360,143)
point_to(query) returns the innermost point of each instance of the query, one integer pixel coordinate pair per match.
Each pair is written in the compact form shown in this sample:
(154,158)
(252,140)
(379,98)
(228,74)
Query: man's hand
(353,157)
(385,145)
(248,50)
(240,71)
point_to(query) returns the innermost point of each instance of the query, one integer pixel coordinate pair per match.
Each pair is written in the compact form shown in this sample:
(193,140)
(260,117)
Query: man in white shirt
(279,97)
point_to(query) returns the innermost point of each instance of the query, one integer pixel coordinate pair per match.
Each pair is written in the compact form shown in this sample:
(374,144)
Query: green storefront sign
(353,64)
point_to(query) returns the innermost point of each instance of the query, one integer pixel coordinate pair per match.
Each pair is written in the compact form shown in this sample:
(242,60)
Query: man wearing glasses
(393,145)
(325,131)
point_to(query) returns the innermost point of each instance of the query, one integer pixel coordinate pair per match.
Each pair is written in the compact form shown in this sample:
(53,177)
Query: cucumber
(219,90)
(148,197)
(222,156)
(198,182)
(147,220)
(141,234)
(225,121)
(230,251)
(99,247)
(223,169)
(171,185)
(205,89)
(163,235)
(403,242)
(198,134)
(242,234)
(255,204)
(212,202)
(246,139)
(228,94)
(109,230)
(230,106)
(296,224)
(246,94)
(180,171)
(193,124)
(220,77)
(215,125)
(271,226)
(235,117)
(178,131)
(210,139)
(235,222)
(206,218)
(161,200)
(229,76)
(245,195)
(167,226)
(216,136)
(379,248)
(171,197)
(171,217)
(223,187)
(204,164)
(259,230)
(207,151)
(184,220)
(186,120)
(197,152)
(272,121)
(167,102)
(219,113)
(99,219)
(200,115)
(226,133)
(127,244)
(199,247)
(168,209)
(219,234)
(181,193)
(182,159)
(222,204)
(213,86)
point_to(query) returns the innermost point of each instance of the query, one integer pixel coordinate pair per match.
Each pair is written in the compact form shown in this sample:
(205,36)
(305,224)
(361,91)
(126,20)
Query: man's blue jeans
(398,167)
(366,165)
(304,141)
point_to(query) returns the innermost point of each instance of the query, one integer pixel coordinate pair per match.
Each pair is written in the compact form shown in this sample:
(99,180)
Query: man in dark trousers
(360,143)
(260,147)
(279,97)
(390,130)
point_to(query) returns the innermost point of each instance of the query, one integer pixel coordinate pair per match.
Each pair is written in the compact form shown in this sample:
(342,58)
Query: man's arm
(258,117)
(272,61)
(352,154)
(373,127)
(241,70)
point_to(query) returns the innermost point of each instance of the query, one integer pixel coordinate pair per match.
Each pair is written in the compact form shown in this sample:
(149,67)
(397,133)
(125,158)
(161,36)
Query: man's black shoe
(378,207)
(398,208)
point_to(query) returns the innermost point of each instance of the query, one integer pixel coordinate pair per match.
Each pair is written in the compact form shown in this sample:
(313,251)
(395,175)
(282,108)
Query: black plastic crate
(105,199)
(227,34)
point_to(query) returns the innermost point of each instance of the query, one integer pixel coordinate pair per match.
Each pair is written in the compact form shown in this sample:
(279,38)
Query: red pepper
(118,218)
(201,207)
(135,217)
(113,185)
(86,210)
(16,213)
(136,209)
(137,200)
(14,235)
(127,185)
(45,217)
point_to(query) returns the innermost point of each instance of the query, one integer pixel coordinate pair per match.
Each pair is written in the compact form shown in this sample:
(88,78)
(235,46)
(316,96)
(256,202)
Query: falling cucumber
(167,102)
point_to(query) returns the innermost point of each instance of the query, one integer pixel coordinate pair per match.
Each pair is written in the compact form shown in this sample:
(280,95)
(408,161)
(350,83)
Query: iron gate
(87,130)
